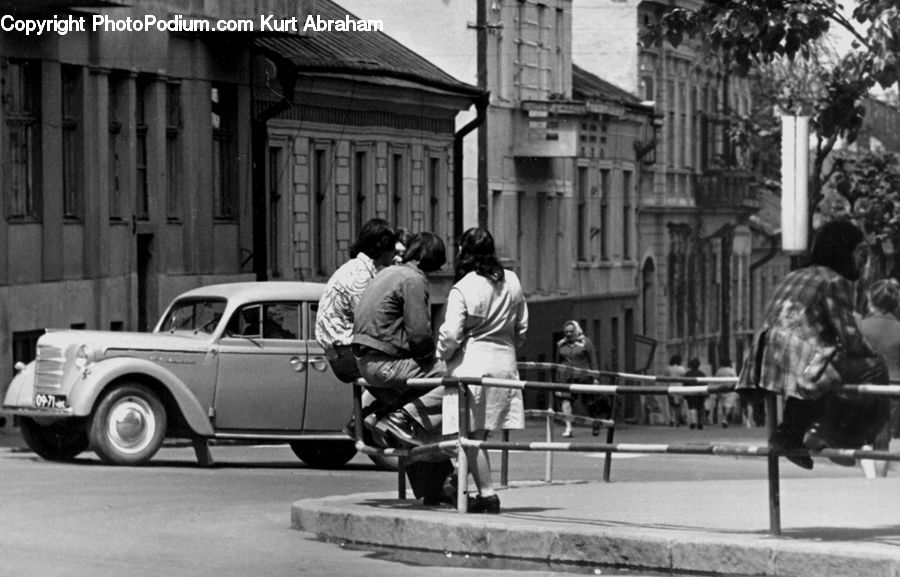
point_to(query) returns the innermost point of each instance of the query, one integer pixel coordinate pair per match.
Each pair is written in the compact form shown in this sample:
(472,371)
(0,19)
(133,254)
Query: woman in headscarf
(574,351)
(810,342)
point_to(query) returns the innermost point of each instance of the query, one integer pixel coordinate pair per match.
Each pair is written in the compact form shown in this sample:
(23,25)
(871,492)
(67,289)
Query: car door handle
(319,363)
(298,364)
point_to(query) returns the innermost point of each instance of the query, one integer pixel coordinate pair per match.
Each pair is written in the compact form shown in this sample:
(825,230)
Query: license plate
(43,401)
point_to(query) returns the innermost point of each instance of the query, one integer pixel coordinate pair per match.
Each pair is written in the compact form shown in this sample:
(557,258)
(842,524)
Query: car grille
(50,363)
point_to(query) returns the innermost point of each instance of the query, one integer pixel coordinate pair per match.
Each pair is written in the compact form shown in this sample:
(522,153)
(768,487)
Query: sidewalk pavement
(831,527)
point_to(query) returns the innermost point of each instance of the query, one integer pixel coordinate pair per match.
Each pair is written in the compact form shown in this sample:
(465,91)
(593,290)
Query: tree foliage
(782,41)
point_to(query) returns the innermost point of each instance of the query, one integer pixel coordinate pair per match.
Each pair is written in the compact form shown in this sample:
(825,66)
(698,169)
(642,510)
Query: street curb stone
(381,519)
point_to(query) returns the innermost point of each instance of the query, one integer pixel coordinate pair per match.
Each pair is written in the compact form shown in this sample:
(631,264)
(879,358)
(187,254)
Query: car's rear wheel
(57,441)
(324,454)
(128,426)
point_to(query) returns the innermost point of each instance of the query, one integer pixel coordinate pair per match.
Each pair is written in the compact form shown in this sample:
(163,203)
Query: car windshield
(194,316)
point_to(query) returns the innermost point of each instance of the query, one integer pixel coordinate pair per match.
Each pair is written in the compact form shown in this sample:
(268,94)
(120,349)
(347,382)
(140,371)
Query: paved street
(175,518)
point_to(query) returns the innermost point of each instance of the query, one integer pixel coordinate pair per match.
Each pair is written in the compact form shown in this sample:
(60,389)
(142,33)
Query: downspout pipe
(773,252)
(259,137)
(481,105)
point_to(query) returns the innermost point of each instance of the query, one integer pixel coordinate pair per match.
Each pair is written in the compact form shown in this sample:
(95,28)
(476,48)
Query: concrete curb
(381,519)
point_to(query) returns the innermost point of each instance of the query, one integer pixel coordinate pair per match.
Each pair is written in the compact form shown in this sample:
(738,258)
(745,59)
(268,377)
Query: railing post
(548,460)
(774,488)
(462,459)
(504,461)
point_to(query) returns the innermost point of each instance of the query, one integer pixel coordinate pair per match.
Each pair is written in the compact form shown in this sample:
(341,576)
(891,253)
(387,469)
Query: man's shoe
(451,486)
(781,443)
(402,427)
(567,433)
(595,429)
(489,505)
(815,440)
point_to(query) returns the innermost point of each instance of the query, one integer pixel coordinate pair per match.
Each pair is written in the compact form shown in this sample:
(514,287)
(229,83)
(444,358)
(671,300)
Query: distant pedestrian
(485,323)
(404,236)
(574,351)
(728,407)
(810,343)
(695,403)
(675,403)
(881,328)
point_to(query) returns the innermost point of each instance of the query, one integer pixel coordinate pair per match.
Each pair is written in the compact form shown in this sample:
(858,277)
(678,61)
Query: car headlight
(84,356)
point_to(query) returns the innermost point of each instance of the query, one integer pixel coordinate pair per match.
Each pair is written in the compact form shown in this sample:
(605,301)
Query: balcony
(727,189)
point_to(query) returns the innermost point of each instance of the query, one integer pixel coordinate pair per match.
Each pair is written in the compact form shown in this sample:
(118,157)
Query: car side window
(267,321)
(281,321)
(246,322)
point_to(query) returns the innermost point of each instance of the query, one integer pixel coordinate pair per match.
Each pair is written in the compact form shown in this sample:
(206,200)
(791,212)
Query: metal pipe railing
(713,385)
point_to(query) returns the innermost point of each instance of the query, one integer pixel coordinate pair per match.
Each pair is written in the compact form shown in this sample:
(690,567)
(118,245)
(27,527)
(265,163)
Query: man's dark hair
(376,237)
(675,360)
(694,364)
(834,245)
(477,253)
(428,249)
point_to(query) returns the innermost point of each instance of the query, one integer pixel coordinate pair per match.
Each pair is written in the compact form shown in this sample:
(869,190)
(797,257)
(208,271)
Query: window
(224,156)
(116,145)
(21,140)
(582,231)
(173,151)
(626,215)
(24,345)
(321,172)
(361,187)
(604,212)
(267,321)
(142,192)
(72,160)
(273,177)
(434,195)
(398,186)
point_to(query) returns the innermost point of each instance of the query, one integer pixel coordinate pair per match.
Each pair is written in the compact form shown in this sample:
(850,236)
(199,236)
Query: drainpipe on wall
(773,252)
(481,105)
(259,137)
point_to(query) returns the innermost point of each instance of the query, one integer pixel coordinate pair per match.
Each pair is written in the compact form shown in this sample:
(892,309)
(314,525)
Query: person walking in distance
(729,404)
(573,351)
(485,322)
(675,403)
(695,403)
(881,328)
(810,343)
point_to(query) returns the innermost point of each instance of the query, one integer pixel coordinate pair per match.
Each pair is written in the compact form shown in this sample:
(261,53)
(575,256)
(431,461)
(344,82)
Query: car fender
(99,375)
(20,392)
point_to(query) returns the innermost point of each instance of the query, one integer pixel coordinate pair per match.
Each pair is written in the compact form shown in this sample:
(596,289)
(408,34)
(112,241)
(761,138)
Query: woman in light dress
(485,323)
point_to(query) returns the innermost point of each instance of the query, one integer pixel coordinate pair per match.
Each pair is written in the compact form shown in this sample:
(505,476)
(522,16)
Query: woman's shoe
(567,433)
(489,505)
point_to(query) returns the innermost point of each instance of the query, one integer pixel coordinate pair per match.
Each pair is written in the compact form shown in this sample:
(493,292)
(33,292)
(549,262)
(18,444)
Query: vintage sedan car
(225,362)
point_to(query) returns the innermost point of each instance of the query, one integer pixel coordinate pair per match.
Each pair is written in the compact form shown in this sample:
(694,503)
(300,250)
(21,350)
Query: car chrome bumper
(35,412)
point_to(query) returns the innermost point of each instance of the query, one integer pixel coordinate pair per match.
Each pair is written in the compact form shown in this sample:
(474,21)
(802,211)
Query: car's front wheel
(57,441)
(324,454)
(128,425)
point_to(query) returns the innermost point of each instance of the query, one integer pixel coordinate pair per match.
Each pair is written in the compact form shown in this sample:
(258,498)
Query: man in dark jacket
(393,342)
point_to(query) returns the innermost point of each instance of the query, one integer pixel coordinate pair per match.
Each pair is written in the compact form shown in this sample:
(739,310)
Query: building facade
(695,203)
(555,173)
(137,165)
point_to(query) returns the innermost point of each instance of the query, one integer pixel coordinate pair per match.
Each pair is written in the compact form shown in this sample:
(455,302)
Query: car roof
(254,291)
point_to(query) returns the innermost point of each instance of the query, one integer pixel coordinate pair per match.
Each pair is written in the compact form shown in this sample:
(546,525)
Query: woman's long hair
(477,253)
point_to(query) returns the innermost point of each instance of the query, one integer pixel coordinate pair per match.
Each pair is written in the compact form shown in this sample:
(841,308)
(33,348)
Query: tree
(780,39)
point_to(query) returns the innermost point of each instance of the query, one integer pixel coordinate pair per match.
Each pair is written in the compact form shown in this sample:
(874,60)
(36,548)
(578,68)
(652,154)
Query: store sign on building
(548,134)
